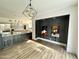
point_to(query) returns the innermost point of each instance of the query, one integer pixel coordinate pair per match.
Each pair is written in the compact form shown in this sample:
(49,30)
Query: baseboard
(62,44)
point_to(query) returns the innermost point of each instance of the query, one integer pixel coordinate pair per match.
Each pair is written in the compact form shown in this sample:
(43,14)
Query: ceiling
(14,8)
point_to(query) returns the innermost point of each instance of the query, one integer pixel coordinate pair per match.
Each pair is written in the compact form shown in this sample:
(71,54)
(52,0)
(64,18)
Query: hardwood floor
(34,50)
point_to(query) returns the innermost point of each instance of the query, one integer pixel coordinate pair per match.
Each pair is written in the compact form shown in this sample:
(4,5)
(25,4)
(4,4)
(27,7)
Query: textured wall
(62,21)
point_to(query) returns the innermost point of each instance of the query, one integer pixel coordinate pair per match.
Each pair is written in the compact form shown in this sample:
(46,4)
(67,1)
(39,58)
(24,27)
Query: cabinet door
(7,41)
(29,35)
(1,41)
(15,39)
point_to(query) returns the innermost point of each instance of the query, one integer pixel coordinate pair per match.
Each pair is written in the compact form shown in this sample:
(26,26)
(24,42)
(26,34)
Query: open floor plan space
(34,50)
(38,29)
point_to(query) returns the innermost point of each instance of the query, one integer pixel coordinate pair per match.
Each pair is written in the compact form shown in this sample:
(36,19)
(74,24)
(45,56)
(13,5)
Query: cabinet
(1,41)
(10,40)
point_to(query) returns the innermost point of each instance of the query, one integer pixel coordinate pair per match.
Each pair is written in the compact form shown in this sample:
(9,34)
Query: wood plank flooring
(33,50)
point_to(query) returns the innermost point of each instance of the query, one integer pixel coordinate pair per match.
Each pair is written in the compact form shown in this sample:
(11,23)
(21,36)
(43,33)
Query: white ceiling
(14,8)
(44,5)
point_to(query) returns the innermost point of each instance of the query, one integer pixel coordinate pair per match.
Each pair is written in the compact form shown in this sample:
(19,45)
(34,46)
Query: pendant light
(29,11)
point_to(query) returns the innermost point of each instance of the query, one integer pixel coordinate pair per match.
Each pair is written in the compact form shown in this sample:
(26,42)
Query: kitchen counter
(22,30)
(11,39)
(16,32)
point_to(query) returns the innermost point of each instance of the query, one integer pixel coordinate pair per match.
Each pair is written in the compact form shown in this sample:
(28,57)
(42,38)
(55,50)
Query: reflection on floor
(33,50)
(52,45)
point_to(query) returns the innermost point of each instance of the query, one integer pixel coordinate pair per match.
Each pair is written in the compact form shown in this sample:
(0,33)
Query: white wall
(4,20)
(72,37)
(33,29)
(73,31)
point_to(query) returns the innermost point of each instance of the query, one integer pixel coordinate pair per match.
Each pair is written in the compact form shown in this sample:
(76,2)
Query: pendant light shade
(29,11)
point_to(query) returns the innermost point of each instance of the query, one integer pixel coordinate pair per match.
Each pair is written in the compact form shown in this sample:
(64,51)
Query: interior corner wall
(72,33)
(33,30)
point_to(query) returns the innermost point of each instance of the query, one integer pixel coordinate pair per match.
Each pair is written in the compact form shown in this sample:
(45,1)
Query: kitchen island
(7,39)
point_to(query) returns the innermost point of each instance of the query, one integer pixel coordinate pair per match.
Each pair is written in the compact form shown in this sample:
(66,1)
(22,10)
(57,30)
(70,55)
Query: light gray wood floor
(34,50)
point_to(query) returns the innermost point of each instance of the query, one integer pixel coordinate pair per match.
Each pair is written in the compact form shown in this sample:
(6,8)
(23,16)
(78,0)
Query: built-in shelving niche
(53,29)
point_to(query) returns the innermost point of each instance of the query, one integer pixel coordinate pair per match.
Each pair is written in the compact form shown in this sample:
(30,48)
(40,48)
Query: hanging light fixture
(29,11)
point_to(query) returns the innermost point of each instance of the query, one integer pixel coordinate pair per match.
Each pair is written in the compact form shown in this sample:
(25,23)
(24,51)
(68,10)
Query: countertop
(17,32)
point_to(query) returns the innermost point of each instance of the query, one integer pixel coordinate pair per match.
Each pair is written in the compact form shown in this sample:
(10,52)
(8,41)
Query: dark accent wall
(62,21)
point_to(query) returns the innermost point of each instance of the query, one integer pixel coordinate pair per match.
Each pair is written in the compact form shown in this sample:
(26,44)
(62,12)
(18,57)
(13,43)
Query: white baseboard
(51,41)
